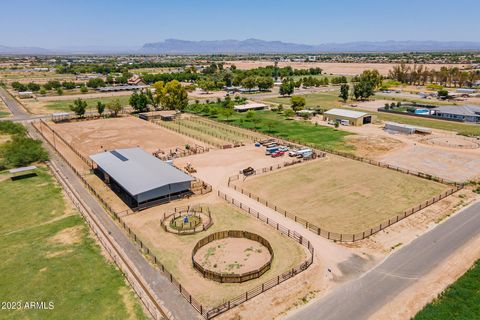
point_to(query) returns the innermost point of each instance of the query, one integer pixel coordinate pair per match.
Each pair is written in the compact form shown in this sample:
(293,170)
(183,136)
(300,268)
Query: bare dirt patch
(342,195)
(94,136)
(232,255)
(373,146)
(68,236)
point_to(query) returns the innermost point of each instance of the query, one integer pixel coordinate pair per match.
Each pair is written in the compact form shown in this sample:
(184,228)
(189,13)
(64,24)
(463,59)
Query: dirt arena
(232,255)
(333,67)
(174,251)
(342,195)
(94,136)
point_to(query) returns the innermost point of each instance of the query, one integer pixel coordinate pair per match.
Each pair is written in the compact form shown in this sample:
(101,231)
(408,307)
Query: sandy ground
(342,195)
(233,255)
(94,136)
(412,153)
(334,68)
(174,251)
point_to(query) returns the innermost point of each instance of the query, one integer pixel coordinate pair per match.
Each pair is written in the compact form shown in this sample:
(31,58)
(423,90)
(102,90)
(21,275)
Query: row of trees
(445,76)
(58,86)
(79,107)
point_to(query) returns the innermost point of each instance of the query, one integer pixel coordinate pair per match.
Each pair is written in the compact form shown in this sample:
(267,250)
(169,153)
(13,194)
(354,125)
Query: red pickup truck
(278,153)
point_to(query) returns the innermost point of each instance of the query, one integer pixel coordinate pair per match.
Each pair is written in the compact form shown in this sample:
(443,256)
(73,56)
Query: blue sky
(61,23)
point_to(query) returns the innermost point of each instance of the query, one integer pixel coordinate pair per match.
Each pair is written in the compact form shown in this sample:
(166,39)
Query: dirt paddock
(94,136)
(232,255)
(342,195)
(175,251)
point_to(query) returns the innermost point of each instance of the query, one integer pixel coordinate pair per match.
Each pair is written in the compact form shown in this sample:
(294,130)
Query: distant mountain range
(175,46)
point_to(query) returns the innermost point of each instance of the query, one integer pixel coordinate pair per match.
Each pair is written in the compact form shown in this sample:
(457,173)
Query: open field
(93,136)
(45,105)
(175,251)
(269,122)
(342,195)
(459,301)
(322,100)
(48,255)
(334,68)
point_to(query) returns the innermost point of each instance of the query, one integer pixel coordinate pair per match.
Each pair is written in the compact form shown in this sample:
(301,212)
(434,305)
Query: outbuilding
(354,118)
(250,106)
(139,178)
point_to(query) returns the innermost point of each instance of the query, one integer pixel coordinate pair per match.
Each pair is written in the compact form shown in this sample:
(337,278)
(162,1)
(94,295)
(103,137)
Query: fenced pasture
(174,251)
(341,196)
(213,133)
(93,136)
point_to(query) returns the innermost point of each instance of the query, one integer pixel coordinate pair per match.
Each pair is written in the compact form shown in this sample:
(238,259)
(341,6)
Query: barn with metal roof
(139,178)
(350,117)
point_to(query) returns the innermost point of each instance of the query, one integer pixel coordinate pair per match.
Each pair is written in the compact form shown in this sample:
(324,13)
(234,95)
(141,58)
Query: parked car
(278,154)
(293,153)
(304,153)
(283,148)
(271,145)
(271,150)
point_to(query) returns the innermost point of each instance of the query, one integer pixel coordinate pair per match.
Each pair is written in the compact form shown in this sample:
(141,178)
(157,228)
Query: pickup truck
(278,154)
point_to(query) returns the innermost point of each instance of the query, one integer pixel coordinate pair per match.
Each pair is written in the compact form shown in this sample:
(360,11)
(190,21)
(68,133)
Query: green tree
(442,94)
(159,87)
(287,88)
(175,96)
(264,83)
(139,101)
(249,82)
(298,103)
(83,89)
(95,83)
(79,107)
(21,151)
(206,85)
(227,113)
(100,107)
(59,91)
(289,113)
(250,115)
(344,88)
(115,107)
(32,86)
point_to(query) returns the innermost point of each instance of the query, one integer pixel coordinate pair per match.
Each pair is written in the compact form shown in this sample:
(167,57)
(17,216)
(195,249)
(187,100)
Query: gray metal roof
(459,110)
(22,169)
(345,113)
(138,171)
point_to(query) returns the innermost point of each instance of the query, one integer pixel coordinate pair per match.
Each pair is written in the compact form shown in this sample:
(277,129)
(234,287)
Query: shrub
(11,127)
(22,151)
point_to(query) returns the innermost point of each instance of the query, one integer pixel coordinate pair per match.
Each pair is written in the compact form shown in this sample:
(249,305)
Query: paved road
(362,297)
(16,110)
(164,290)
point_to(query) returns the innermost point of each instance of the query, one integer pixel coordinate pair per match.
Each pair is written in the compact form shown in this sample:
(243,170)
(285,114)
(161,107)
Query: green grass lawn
(322,100)
(92,103)
(4,114)
(270,122)
(328,100)
(460,301)
(48,255)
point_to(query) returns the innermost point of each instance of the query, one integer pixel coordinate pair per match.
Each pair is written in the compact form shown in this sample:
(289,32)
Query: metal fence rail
(342,237)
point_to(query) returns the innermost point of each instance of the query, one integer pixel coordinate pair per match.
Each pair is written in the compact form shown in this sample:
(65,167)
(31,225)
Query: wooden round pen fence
(232,277)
